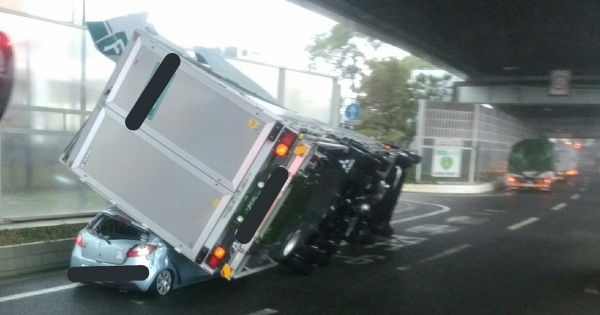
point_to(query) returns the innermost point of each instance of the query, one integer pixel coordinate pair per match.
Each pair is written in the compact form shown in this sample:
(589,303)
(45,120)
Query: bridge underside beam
(517,94)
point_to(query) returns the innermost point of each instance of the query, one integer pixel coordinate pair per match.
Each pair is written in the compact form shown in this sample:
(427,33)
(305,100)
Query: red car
(7,68)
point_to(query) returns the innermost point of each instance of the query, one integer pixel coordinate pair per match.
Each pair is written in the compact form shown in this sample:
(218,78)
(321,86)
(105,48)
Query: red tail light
(285,142)
(213,262)
(511,180)
(122,218)
(215,258)
(547,181)
(78,240)
(287,139)
(4,41)
(141,251)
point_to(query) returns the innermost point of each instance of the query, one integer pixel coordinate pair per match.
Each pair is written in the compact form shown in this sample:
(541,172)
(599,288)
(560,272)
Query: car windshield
(109,227)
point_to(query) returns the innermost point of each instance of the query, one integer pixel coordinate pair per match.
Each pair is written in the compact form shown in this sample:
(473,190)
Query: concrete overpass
(505,50)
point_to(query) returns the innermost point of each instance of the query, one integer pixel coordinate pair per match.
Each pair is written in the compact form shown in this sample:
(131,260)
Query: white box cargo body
(180,173)
(567,158)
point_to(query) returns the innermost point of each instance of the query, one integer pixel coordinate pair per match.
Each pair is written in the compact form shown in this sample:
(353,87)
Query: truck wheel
(324,262)
(292,243)
(330,249)
(299,265)
(310,253)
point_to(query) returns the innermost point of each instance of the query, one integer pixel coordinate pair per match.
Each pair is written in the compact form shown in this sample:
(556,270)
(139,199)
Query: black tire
(310,253)
(291,244)
(324,262)
(163,283)
(299,265)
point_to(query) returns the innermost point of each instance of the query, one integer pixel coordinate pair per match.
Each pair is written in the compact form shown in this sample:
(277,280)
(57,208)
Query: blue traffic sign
(353,111)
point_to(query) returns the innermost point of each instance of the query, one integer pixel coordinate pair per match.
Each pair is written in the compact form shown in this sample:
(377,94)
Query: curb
(34,257)
(43,223)
(458,189)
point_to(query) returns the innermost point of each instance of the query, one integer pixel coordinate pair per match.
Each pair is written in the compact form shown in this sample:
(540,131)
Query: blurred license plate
(528,184)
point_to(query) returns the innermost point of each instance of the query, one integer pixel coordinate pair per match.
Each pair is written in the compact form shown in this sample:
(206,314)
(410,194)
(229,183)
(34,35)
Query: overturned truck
(193,170)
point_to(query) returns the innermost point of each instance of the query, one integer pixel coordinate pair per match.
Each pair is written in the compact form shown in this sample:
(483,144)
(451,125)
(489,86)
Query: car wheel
(163,283)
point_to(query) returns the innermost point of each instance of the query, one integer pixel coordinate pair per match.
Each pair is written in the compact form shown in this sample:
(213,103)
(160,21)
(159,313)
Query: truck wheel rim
(163,282)
(289,247)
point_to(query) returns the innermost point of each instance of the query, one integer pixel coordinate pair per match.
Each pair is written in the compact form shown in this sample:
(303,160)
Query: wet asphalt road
(499,253)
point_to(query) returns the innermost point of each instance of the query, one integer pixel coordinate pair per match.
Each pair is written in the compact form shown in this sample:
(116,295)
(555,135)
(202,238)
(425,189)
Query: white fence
(464,142)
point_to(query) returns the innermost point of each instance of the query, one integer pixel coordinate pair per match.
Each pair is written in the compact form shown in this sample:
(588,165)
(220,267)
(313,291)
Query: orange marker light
(300,150)
(281,149)
(219,253)
(510,179)
(226,272)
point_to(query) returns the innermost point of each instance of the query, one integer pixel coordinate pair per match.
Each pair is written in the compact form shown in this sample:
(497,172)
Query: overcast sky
(277,29)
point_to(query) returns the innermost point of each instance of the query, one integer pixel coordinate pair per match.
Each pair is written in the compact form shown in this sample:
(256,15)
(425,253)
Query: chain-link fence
(464,142)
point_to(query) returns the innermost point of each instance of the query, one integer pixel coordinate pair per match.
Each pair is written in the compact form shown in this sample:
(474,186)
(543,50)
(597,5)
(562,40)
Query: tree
(343,49)
(429,87)
(386,102)
(416,63)
(387,95)
(391,97)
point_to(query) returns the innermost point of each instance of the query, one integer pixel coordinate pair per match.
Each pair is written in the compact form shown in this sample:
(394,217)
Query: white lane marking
(264,312)
(434,257)
(404,208)
(397,242)
(591,289)
(433,229)
(559,206)
(38,292)
(444,210)
(465,219)
(495,211)
(482,213)
(460,195)
(575,196)
(522,224)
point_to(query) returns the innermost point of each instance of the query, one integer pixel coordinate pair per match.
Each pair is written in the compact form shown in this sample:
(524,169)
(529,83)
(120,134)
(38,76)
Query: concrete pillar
(420,135)
(475,136)
(281,87)
(335,104)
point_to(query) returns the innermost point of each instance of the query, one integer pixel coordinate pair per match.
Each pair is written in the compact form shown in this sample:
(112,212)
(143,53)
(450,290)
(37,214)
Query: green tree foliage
(342,48)
(390,98)
(429,87)
(414,63)
(386,102)
(387,95)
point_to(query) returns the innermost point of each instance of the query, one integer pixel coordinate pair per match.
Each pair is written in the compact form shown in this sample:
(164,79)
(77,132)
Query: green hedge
(39,234)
